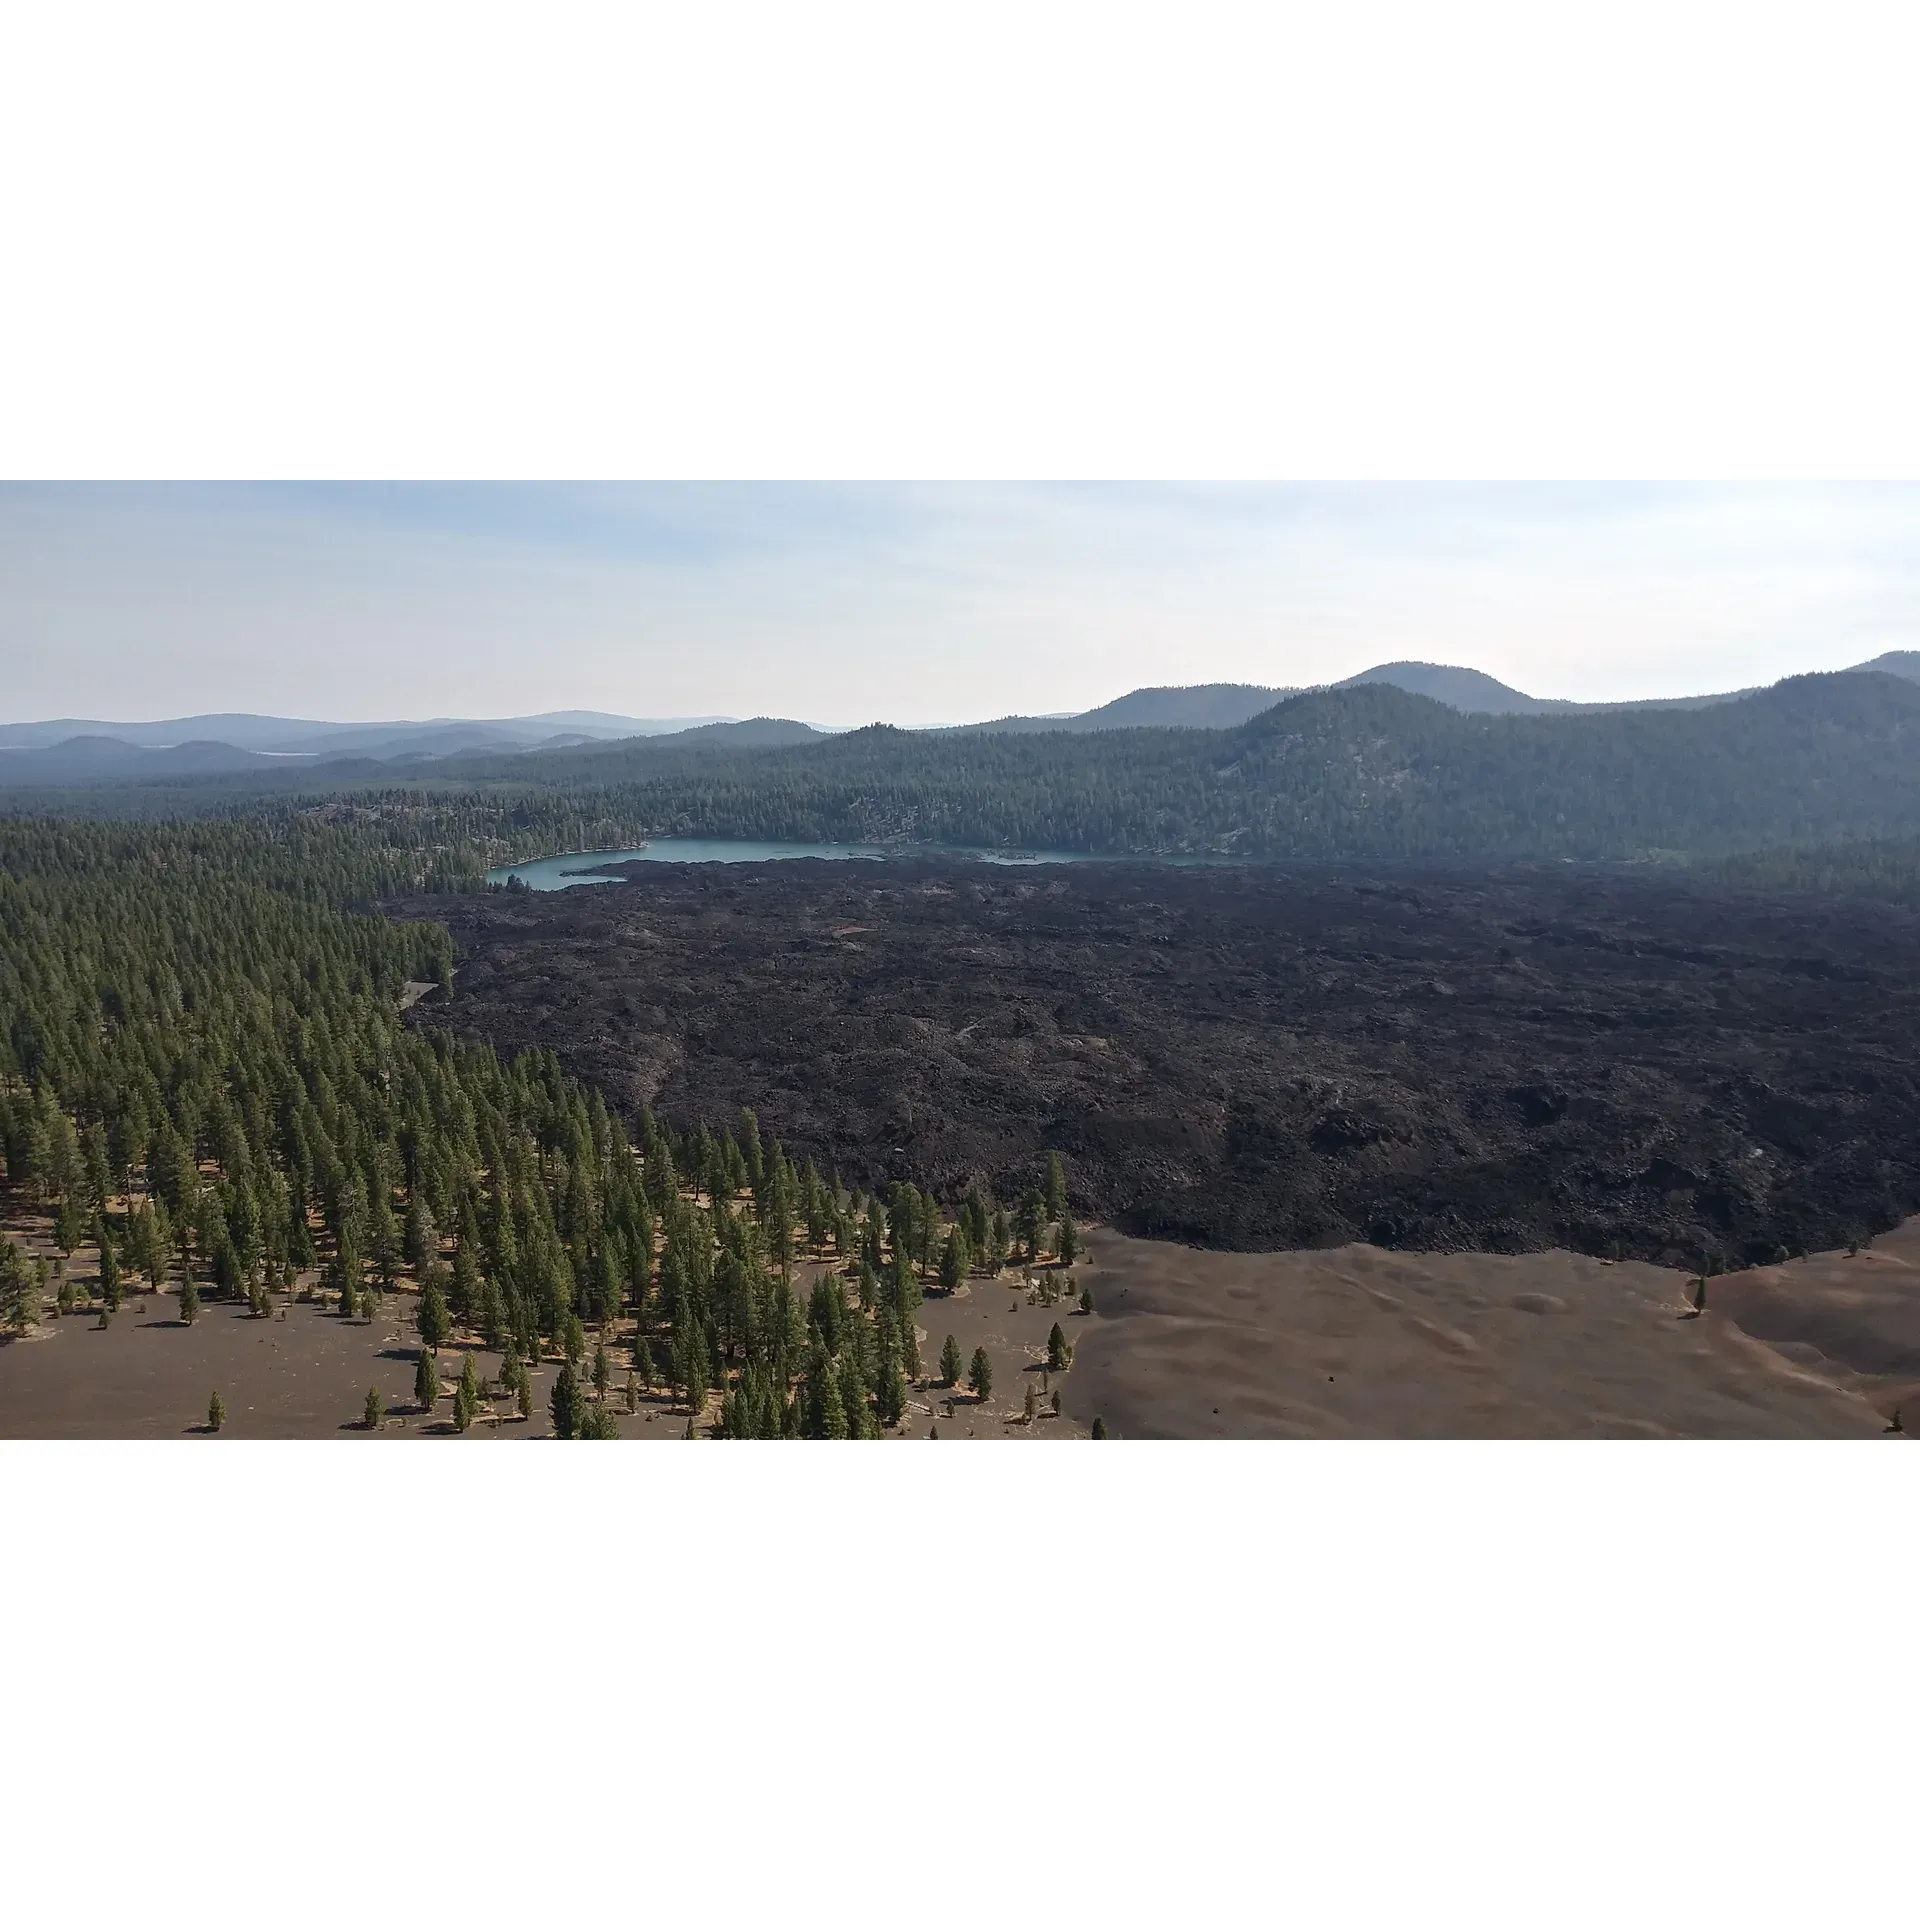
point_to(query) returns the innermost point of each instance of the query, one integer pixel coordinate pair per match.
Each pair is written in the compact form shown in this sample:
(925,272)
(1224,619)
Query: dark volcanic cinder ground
(1612,1062)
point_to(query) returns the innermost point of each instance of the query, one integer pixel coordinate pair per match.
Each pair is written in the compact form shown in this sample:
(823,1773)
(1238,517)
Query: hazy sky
(916,604)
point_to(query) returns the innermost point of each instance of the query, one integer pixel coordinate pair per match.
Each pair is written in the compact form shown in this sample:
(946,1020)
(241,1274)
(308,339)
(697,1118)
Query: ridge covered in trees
(1360,771)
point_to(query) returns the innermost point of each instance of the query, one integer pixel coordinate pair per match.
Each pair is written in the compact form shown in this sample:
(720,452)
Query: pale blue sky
(917,604)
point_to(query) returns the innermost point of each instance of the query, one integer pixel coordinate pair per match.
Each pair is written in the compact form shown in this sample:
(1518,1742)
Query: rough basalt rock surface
(1620,1062)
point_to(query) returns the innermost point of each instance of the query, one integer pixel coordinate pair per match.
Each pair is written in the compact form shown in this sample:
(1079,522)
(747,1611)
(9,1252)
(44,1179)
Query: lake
(569,869)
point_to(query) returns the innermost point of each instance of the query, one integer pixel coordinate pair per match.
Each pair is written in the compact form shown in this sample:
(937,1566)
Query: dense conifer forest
(204,1070)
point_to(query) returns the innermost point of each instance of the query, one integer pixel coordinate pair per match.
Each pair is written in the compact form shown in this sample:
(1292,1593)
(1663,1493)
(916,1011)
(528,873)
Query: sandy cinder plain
(1359,1342)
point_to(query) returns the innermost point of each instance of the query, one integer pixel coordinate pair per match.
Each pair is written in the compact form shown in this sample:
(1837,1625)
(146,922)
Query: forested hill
(1358,771)
(1355,771)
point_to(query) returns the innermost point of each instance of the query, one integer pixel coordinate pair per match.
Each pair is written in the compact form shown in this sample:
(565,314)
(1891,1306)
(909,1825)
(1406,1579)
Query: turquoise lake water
(569,869)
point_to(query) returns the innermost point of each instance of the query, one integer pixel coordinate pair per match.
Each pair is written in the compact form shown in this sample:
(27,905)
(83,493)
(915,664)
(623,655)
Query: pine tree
(1099,1428)
(950,1362)
(1056,1188)
(563,1404)
(1032,1213)
(695,1378)
(1032,1404)
(216,1413)
(15,1281)
(189,1298)
(980,1375)
(375,1411)
(832,1417)
(523,1396)
(426,1382)
(109,1270)
(434,1321)
(1059,1354)
(602,1370)
(1069,1240)
(1086,1299)
(952,1260)
(469,1387)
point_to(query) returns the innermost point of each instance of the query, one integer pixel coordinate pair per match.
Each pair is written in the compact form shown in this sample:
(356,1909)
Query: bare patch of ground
(1359,1341)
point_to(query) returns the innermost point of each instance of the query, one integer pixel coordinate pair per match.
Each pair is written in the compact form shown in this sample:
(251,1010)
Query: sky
(917,604)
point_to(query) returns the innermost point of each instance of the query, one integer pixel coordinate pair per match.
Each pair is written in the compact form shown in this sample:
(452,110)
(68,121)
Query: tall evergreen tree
(980,1375)
(564,1403)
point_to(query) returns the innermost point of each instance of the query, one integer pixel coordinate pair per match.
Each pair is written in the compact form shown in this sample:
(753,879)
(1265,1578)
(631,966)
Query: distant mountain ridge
(1904,666)
(1465,689)
(1218,704)
(62,753)
(268,733)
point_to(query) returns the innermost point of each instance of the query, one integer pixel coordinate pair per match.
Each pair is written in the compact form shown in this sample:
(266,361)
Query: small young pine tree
(375,1411)
(1056,1402)
(1059,1354)
(1056,1188)
(1086,1299)
(523,1396)
(462,1411)
(1032,1404)
(602,1370)
(216,1412)
(189,1299)
(633,1392)
(950,1362)
(1099,1428)
(109,1272)
(980,1375)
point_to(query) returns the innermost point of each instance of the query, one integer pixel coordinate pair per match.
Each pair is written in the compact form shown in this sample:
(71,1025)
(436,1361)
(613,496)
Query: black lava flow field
(1623,1062)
